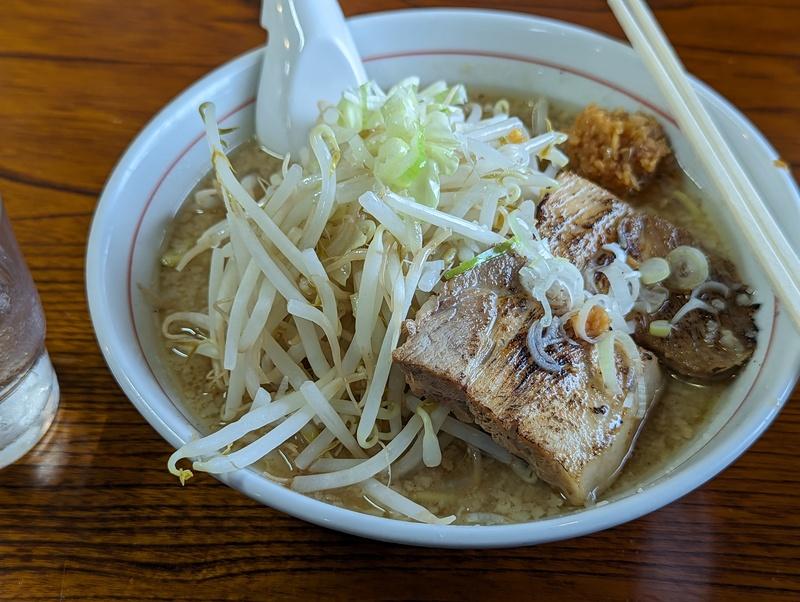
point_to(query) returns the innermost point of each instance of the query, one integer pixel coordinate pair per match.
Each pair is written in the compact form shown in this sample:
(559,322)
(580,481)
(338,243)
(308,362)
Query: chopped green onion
(496,251)
(660,328)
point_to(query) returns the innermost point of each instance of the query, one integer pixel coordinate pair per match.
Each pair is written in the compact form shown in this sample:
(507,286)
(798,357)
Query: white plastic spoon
(310,57)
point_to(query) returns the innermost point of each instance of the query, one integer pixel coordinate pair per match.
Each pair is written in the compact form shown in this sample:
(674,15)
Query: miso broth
(468,484)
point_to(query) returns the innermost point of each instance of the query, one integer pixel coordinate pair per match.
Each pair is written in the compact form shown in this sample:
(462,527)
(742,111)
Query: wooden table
(92,513)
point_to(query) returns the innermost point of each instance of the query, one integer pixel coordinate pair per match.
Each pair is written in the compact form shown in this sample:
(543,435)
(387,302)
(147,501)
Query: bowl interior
(532,56)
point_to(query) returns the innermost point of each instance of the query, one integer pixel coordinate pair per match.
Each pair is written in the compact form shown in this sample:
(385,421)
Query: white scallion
(688,268)
(654,270)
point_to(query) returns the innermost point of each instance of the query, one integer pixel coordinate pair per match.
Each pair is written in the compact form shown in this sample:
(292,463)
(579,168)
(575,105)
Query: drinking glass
(28,384)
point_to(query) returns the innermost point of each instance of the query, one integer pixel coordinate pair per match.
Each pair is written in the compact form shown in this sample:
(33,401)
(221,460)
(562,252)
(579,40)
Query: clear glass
(28,384)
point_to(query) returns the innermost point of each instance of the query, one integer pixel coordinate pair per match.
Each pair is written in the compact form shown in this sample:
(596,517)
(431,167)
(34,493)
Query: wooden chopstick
(765,238)
(655,35)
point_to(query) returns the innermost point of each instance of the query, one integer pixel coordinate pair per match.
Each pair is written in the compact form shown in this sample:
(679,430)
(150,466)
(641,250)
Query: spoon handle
(310,57)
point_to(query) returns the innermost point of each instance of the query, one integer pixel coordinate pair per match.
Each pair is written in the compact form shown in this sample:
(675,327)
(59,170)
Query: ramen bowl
(487,50)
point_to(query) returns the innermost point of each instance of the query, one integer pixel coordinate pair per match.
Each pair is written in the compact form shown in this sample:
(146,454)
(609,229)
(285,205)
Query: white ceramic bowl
(487,49)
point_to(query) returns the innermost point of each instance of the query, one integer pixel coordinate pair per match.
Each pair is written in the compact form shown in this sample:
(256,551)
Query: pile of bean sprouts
(313,272)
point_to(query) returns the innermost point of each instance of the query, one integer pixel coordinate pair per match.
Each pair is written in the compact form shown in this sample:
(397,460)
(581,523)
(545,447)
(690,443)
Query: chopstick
(744,202)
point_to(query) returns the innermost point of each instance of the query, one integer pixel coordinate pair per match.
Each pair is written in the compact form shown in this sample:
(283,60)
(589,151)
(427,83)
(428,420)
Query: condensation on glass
(28,385)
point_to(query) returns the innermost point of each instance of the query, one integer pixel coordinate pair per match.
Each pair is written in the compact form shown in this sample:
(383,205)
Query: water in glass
(28,385)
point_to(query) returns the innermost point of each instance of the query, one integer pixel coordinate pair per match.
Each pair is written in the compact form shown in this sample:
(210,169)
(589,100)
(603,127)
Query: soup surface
(468,484)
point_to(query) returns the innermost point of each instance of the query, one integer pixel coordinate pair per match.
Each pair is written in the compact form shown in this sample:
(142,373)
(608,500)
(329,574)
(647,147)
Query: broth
(468,484)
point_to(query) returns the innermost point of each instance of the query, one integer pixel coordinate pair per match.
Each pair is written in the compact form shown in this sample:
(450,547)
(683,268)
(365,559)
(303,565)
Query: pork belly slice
(580,217)
(467,348)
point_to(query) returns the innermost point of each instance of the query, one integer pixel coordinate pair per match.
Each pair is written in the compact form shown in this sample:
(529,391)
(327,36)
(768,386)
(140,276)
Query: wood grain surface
(91,513)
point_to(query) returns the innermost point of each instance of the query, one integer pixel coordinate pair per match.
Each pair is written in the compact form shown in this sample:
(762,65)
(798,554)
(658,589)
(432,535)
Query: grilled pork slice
(580,217)
(467,347)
